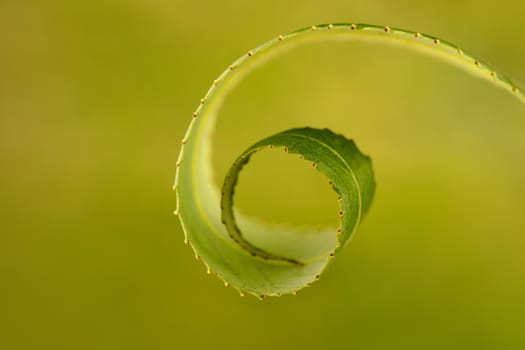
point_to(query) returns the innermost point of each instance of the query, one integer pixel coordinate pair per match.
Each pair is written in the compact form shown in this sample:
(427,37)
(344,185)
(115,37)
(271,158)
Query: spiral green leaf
(242,252)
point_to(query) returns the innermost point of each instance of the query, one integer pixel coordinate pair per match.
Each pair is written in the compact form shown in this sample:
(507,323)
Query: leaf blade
(198,199)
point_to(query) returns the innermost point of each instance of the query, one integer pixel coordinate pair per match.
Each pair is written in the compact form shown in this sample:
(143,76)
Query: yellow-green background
(95,97)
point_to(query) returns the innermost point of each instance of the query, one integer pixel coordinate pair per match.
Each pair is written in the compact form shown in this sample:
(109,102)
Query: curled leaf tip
(350,174)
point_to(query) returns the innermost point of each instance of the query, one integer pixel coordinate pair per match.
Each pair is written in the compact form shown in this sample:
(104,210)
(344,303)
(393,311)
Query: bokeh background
(95,97)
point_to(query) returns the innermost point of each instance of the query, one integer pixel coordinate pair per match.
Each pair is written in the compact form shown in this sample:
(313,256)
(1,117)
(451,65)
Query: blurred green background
(95,97)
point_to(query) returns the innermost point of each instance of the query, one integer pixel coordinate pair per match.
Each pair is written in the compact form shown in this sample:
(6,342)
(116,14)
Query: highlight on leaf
(260,260)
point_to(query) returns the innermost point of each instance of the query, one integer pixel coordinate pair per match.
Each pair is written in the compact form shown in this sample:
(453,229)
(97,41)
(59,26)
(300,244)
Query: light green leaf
(272,261)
